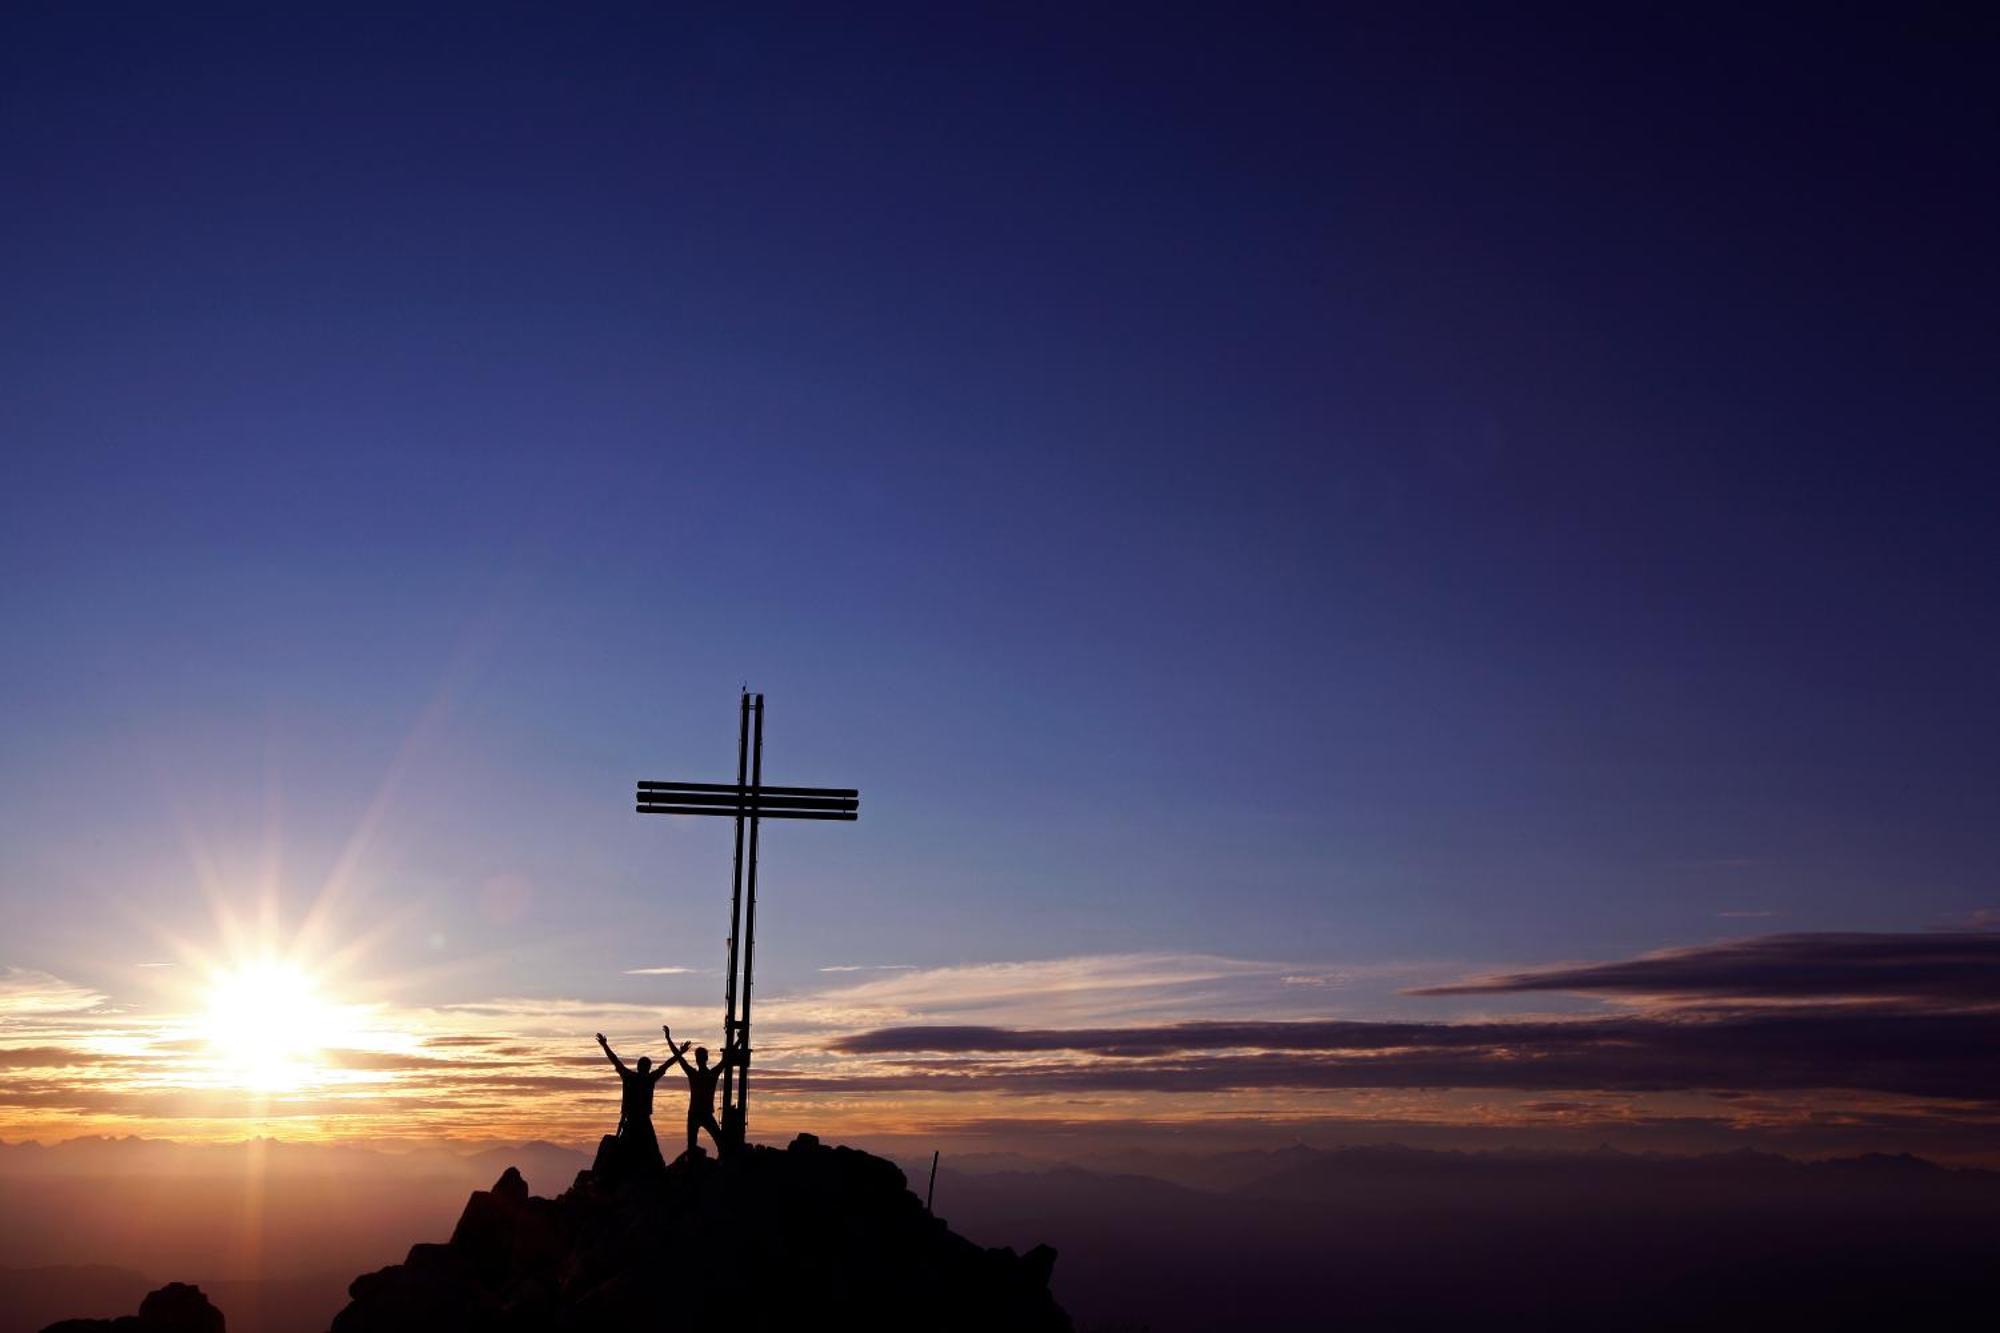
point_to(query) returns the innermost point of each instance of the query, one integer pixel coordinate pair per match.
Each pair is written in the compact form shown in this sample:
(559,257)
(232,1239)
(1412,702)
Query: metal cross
(749,802)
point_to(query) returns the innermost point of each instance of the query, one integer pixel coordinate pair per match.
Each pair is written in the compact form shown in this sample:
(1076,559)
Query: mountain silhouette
(174,1308)
(764,1239)
(1410,1239)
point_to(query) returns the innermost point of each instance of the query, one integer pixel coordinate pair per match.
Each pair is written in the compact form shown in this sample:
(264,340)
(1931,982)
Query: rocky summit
(174,1308)
(764,1239)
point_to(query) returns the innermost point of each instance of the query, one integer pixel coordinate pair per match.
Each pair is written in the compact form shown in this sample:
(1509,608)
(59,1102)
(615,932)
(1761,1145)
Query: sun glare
(267,1024)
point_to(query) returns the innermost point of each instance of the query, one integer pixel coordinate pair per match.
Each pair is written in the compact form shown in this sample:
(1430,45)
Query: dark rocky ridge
(174,1308)
(767,1239)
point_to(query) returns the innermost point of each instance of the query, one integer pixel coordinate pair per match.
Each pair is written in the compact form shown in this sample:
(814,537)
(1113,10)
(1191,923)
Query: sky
(1290,515)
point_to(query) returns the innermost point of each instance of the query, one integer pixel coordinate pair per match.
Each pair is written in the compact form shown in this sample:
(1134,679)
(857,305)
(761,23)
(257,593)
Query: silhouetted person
(635,1106)
(701,1088)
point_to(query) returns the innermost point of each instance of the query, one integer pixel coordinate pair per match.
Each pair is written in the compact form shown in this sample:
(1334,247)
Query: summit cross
(749,802)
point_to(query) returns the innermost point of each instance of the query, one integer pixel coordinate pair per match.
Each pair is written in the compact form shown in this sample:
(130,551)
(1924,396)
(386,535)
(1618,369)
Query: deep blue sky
(1395,486)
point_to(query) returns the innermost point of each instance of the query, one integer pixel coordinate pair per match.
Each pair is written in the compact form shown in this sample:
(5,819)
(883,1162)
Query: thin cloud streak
(1086,988)
(1961,966)
(26,992)
(42,1057)
(1924,1055)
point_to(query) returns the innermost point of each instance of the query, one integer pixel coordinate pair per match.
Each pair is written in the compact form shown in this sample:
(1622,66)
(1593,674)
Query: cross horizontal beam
(732,788)
(719,798)
(760,802)
(759,811)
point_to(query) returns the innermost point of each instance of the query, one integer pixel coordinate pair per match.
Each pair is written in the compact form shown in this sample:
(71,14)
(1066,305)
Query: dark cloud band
(1954,967)
(1944,1055)
(1915,1015)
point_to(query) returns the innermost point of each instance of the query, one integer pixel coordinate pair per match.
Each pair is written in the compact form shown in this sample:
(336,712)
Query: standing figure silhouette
(701,1089)
(635,1108)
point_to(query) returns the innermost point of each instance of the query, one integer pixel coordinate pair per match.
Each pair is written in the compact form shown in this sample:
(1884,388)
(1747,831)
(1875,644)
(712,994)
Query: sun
(266,1024)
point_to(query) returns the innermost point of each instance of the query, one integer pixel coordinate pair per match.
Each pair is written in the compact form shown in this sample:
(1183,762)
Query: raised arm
(610,1054)
(676,1053)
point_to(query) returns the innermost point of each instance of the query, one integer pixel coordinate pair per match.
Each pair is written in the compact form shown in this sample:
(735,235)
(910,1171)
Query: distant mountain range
(1385,1236)
(131,1154)
(1401,1238)
(273,1231)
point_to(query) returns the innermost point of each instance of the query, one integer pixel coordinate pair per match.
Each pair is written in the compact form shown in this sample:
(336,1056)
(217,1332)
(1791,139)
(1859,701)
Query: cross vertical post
(735,922)
(749,802)
(741,1110)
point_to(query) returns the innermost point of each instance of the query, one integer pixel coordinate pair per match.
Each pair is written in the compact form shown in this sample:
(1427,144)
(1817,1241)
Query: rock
(619,1160)
(510,1186)
(501,1231)
(180,1307)
(805,1237)
(174,1308)
(1041,1261)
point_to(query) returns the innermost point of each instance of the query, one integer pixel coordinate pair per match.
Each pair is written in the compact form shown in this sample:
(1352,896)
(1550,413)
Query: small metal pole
(931,1193)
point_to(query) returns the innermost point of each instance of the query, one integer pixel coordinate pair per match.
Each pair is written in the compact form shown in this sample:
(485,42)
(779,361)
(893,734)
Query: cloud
(25,992)
(382,1061)
(1779,1029)
(584,1087)
(1328,1035)
(1087,987)
(547,1015)
(1960,968)
(657,971)
(1912,1015)
(42,1057)
(1920,1054)
(871,967)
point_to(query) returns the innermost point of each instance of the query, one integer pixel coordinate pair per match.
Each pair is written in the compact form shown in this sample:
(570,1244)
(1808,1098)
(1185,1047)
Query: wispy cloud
(1092,987)
(24,991)
(870,967)
(42,1057)
(1775,1017)
(666,971)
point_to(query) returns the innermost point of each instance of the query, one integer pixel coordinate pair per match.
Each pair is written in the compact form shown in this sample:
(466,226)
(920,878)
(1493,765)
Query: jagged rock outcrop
(805,1237)
(174,1308)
